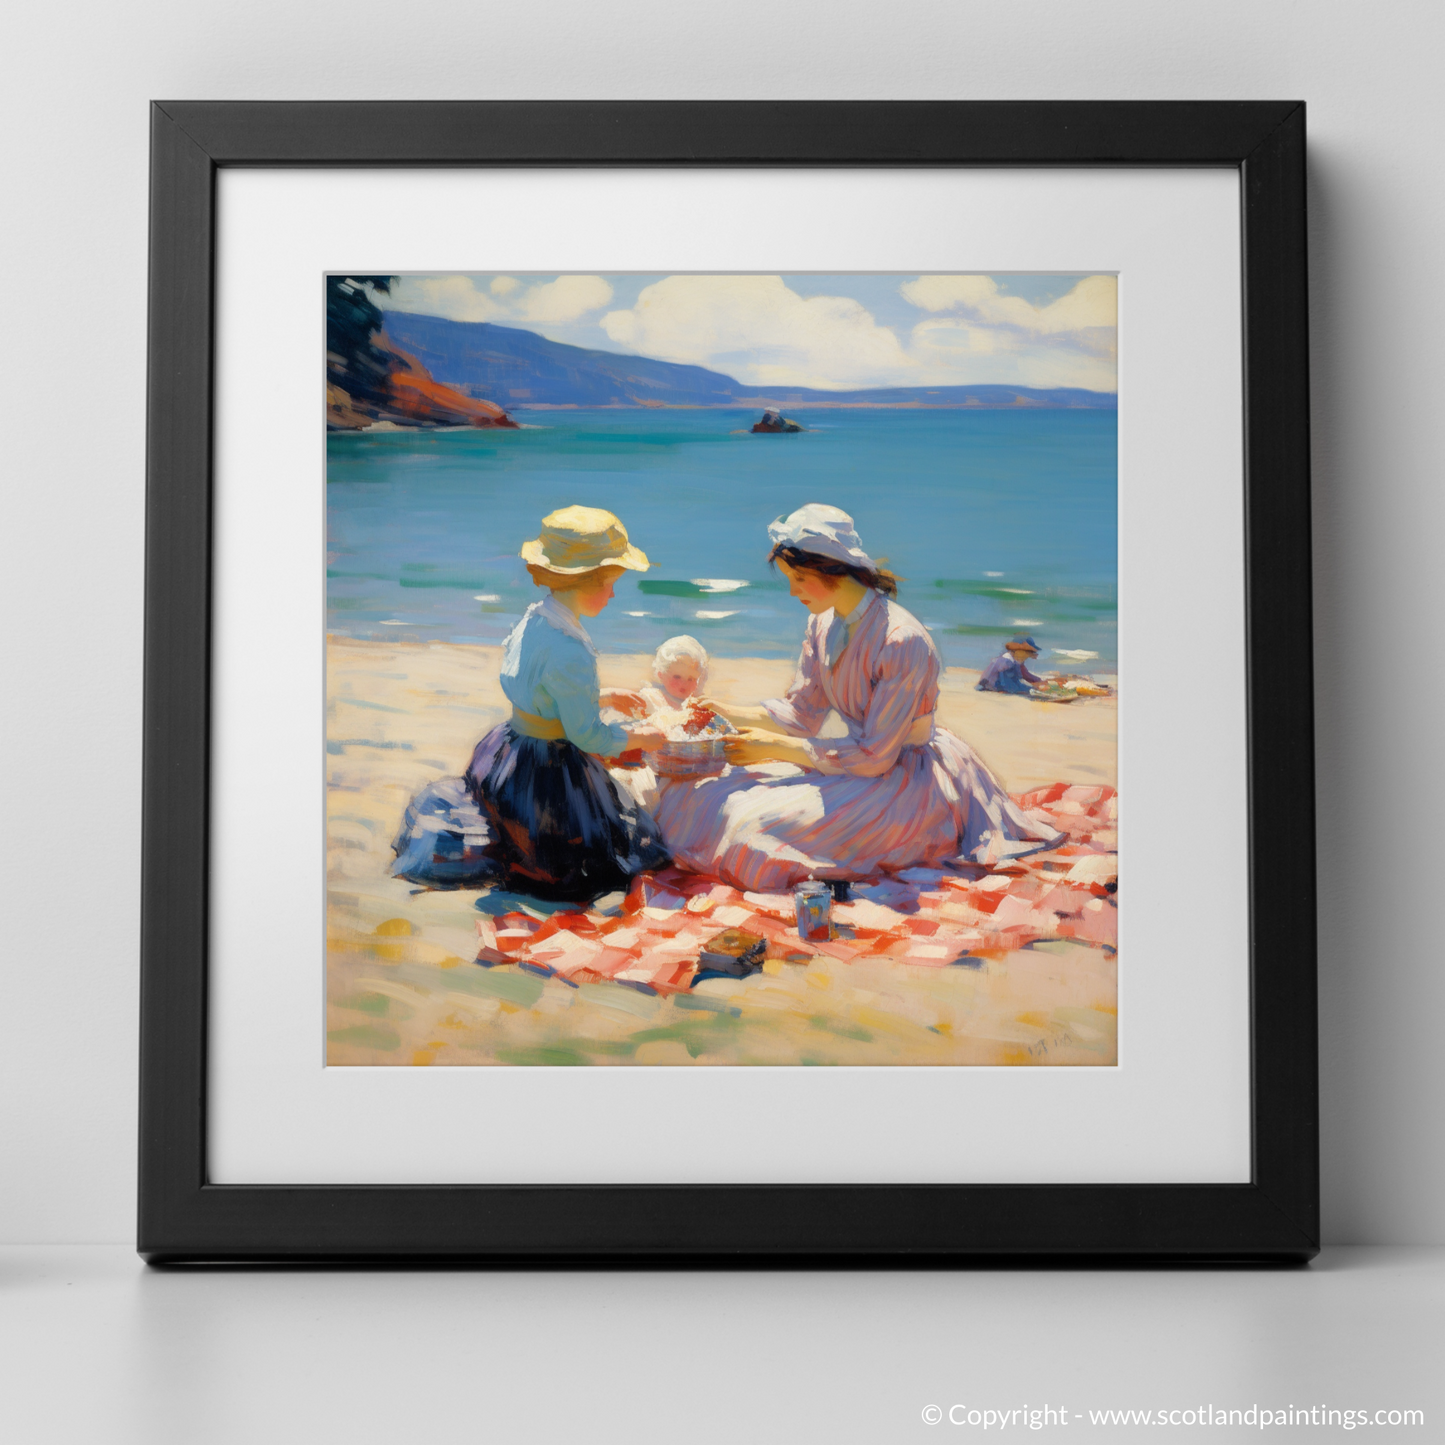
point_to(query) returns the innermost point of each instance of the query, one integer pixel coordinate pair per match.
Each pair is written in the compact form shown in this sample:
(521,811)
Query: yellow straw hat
(580,539)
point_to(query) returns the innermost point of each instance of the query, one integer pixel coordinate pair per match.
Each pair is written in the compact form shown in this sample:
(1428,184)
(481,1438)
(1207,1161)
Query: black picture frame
(184,1217)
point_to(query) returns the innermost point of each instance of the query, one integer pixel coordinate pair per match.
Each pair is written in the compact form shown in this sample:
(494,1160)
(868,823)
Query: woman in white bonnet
(896,792)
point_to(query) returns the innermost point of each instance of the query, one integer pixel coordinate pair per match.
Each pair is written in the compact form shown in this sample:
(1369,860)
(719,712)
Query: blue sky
(830,331)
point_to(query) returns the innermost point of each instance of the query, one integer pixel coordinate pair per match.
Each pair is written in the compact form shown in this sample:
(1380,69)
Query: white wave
(1074,654)
(397,622)
(993,574)
(486,597)
(717,584)
(637,614)
(1027,622)
(715,616)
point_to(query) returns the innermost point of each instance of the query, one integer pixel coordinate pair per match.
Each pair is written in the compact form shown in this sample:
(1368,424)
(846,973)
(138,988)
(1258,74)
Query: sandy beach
(403,989)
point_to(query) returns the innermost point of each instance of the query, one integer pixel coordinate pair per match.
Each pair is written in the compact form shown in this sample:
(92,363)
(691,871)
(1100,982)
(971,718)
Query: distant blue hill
(517,369)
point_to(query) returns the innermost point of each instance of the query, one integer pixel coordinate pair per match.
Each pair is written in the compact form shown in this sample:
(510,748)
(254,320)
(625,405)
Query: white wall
(77,79)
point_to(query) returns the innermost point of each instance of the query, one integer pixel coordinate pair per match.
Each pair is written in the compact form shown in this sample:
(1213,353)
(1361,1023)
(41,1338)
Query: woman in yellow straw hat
(559,827)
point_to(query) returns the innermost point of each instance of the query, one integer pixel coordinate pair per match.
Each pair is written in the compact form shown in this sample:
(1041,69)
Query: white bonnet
(824,531)
(676,647)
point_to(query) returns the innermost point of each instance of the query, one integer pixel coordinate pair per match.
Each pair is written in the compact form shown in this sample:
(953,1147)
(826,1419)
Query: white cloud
(454,297)
(985,334)
(505,299)
(760,331)
(1092,303)
(955,352)
(564,299)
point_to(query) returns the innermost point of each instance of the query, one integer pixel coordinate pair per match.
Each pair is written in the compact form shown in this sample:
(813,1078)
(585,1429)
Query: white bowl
(694,758)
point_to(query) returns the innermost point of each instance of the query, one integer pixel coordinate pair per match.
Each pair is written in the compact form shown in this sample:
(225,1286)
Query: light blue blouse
(549,667)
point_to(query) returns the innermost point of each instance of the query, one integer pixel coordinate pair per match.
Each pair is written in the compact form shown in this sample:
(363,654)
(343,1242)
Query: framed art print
(701,686)
(644,910)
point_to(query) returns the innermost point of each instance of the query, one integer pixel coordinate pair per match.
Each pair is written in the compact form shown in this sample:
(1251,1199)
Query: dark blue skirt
(532,816)
(562,829)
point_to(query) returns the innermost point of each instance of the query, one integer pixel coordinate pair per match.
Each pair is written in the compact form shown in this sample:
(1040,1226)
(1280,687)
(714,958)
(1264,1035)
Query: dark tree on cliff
(352,318)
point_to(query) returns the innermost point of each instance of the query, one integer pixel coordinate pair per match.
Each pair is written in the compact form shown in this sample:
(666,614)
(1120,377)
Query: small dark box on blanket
(736,952)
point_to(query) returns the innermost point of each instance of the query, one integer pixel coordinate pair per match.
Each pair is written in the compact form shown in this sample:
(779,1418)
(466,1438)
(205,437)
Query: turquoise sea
(996,522)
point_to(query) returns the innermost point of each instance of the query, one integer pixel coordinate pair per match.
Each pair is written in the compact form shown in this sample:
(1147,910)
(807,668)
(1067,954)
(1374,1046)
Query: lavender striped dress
(897,792)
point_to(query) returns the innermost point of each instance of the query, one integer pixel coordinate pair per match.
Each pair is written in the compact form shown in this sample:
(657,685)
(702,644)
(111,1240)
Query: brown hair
(880,579)
(563,582)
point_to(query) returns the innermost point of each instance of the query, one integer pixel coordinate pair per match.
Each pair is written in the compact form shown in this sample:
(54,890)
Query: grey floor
(96,1348)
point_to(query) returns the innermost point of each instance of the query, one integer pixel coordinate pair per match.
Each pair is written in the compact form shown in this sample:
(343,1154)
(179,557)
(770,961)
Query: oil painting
(721,670)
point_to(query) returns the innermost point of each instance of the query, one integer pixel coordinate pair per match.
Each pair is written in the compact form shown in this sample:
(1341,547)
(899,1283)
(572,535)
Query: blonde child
(679,670)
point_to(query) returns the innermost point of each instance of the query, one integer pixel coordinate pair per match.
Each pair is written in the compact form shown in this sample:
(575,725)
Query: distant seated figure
(1008,672)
